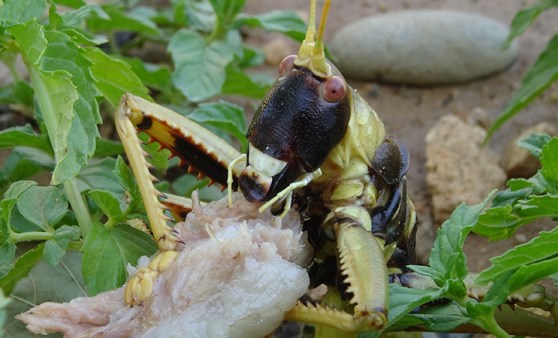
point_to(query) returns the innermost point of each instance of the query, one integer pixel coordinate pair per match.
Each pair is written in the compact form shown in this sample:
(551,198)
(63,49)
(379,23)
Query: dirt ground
(409,112)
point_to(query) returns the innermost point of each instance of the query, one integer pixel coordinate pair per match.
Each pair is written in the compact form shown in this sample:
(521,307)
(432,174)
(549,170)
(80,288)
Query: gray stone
(424,47)
(458,168)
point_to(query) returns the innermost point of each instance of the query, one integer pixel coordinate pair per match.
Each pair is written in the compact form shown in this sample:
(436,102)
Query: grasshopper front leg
(194,145)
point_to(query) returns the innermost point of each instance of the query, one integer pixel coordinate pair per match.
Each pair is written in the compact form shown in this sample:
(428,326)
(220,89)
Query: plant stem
(10,62)
(216,32)
(78,206)
(489,324)
(31,236)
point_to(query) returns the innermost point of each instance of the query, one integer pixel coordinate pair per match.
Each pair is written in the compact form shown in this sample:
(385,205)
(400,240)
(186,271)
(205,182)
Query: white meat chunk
(236,275)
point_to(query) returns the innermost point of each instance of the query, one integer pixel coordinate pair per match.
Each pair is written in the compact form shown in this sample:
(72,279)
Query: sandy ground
(409,112)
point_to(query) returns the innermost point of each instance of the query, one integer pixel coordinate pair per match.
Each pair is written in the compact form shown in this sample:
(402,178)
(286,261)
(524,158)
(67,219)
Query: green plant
(541,75)
(523,202)
(78,64)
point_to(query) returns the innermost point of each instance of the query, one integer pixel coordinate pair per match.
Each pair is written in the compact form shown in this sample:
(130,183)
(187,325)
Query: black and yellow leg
(362,263)
(197,147)
(184,138)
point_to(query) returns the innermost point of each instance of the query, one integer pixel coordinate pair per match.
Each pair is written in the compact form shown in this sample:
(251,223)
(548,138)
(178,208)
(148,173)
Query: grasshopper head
(301,119)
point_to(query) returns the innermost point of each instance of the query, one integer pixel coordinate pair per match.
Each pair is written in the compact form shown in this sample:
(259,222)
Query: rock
(423,47)
(277,49)
(458,168)
(518,161)
(475,117)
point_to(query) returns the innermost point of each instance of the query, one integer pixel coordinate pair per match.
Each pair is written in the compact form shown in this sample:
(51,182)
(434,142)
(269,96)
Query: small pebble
(521,238)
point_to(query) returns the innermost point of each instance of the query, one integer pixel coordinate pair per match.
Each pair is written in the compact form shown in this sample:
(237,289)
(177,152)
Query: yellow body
(345,178)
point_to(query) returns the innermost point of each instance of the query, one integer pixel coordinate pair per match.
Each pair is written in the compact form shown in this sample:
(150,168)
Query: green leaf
(108,252)
(98,175)
(7,255)
(549,160)
(31,40)
(119,19)
(225,116)
(543,73)
(20,225)
(197,15)
(251,57)
(128,181)
(77,17)
(534,143)
(3,304)
(512,281)
(199,65)
(55,249)
(23,163)
(68,138)
(427,271)
(403,300)
(56,95)
(45,283)
(20,11)
(525,17)
(441,318)
(9,202)
(42,206)
(225,11)
(286,22)
(447,255)
(24,136)
(83,39)
(106,147)
(64,54)
(158,158)
(7,248)
(71,3)
(237,82)
(18,92)
(54,19)
(22,267)
(498,223)
(154,76)
(109,205)
(538,207)
(539,248)
(71,121)
(522,188)
(114,77)
(18,188)
(185,185)
(12,218)
(536,184)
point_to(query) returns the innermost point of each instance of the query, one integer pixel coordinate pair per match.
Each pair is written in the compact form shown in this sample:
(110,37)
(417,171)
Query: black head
(295,128)
(301,119)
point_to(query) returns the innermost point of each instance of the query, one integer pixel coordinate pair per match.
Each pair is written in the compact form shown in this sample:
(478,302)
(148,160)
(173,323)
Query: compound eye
(286,65)
(334,89)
